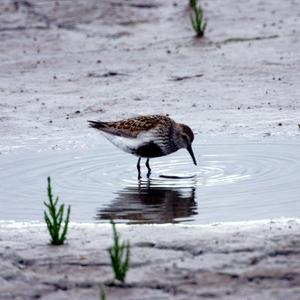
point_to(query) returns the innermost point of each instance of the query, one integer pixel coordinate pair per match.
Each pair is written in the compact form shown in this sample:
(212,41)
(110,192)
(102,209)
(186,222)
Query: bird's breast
(150,149)
(145,144)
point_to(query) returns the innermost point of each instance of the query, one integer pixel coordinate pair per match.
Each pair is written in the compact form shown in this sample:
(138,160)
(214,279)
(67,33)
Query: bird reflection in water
(151,202)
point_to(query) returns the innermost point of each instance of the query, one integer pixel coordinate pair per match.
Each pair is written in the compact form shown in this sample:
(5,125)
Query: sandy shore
(64,63)
(250,260)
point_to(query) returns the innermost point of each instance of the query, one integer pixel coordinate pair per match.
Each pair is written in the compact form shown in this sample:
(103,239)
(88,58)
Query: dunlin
(147,136)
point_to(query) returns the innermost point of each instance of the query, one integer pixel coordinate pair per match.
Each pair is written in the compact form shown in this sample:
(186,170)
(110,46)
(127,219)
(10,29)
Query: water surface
(234,181)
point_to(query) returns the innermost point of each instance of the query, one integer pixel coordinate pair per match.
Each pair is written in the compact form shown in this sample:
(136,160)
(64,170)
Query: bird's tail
(97,124)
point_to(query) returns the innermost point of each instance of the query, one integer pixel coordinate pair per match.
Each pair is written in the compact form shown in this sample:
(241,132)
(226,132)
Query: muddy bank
(250,260)
(65,62)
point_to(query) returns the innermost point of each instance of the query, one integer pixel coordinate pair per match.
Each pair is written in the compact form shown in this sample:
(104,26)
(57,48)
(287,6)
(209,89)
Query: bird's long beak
(189,148)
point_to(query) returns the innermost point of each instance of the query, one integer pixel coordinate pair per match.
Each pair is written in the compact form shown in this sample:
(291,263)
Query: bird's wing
(131,128)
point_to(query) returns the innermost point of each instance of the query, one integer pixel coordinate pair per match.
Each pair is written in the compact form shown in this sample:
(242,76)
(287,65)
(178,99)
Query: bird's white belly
(129,145)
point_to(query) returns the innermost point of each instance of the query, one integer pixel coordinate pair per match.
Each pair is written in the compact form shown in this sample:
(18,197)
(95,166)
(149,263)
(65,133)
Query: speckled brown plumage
(133,126)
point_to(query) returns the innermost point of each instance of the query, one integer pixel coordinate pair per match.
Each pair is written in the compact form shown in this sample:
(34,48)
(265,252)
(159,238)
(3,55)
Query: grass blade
(119,255)
(54,218)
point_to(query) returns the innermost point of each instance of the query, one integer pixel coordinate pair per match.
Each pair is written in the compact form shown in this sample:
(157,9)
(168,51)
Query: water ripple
(231,182)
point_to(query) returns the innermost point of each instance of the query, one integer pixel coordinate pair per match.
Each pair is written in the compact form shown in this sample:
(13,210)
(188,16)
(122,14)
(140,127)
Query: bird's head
(185,139)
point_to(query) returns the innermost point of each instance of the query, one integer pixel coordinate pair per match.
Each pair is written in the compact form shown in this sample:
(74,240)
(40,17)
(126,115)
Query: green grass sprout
(102,292)
(197,20)
(119,255)
(193,3)
(54,218)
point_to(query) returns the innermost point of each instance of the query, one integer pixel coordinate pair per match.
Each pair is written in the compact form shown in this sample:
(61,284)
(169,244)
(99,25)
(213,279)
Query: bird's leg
(148,167)
(139,168)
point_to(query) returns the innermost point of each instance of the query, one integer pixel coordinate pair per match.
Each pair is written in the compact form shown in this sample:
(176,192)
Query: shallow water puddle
(233,181)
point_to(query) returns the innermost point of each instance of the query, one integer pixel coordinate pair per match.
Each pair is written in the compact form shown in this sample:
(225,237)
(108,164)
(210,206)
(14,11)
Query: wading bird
(147,137)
